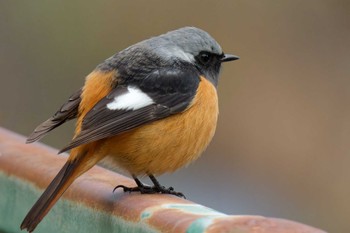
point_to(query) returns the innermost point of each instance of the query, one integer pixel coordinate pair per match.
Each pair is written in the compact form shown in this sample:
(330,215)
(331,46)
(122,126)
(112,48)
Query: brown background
(282,144)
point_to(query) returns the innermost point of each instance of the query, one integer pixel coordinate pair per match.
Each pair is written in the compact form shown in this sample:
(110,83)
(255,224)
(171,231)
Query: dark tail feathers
(53,192)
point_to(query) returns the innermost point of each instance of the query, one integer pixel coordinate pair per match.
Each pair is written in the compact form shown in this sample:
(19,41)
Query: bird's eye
(205,58)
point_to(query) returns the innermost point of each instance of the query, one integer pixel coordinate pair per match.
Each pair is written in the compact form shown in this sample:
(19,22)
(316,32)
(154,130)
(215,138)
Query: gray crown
(183,43)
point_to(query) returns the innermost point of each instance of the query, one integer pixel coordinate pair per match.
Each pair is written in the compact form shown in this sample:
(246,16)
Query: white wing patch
(132,100)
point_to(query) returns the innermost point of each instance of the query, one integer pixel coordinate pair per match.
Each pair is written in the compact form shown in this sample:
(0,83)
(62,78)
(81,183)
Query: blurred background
(282,146)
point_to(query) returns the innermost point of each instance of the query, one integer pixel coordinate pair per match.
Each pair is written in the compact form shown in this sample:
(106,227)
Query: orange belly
(167,144)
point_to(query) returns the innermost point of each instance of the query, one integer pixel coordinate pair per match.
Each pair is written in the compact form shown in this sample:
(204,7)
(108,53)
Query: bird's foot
(142,189)
(170,190)
(145,189)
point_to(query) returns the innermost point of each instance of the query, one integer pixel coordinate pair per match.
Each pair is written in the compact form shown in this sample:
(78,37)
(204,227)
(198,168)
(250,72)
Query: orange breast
(168,144)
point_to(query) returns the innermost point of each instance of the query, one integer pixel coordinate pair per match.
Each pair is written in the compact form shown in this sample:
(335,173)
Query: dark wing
(171,92)
(68,111)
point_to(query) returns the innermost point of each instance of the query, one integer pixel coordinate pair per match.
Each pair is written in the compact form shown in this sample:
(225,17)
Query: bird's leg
(161,189)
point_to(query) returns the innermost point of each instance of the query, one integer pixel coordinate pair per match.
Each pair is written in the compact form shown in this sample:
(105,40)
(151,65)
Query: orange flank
(97,85)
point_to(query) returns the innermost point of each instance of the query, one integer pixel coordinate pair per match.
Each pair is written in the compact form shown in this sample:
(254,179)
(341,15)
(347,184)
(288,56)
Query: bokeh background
(282,147)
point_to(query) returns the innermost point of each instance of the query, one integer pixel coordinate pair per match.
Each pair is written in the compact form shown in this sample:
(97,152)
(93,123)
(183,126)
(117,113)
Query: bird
(149,109)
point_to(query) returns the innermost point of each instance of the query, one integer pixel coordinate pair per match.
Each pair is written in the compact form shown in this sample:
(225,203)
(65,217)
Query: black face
(209,65)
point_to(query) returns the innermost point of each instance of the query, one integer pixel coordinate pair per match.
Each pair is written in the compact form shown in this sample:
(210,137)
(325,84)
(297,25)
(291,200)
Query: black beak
(229,57)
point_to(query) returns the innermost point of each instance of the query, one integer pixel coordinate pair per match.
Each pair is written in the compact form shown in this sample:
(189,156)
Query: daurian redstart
(149,109)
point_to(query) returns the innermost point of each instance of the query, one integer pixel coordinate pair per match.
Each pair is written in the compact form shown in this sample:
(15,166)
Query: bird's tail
(70,171)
